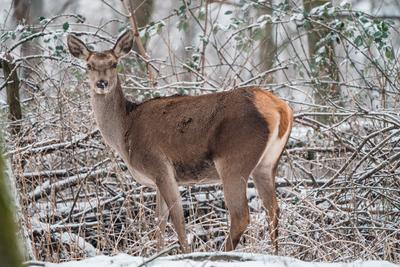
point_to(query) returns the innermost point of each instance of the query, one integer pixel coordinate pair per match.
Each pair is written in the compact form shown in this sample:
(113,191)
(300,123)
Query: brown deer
(184,140)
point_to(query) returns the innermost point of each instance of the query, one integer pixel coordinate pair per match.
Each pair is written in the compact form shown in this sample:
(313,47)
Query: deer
(222,137)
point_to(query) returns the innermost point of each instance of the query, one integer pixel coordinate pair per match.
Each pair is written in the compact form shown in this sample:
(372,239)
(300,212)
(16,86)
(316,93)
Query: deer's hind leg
(264,180)
(236,202)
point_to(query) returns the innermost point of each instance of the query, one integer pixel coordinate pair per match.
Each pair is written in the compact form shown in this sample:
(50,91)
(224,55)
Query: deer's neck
(111,113)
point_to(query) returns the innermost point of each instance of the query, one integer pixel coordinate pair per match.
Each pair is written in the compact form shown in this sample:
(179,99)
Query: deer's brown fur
(183,140)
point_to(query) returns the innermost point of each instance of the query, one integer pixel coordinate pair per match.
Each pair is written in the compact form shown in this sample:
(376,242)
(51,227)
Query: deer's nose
(101,84)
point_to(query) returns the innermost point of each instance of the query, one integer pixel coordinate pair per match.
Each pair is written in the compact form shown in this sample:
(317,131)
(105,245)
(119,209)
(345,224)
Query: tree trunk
(23,10)
(12,88)
(143,11)
(268,45)
(327,70)
(140,16)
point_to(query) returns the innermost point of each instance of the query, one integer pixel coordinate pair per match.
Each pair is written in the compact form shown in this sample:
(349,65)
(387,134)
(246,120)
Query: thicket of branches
(338,180)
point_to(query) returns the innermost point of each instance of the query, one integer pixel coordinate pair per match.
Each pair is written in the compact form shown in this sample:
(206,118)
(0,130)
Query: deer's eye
(114,65)
(89,67)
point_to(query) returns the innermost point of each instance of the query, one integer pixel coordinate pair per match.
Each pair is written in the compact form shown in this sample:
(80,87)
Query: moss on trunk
(9,249)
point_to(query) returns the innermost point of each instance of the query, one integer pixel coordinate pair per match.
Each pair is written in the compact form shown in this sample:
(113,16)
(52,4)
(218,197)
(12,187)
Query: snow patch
(219,259)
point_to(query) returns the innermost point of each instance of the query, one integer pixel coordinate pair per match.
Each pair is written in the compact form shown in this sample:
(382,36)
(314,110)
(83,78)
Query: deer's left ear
(77,48)
(124,44)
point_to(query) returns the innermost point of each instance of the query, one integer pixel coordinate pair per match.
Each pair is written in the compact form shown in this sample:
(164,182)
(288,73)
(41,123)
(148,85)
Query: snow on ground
(211,260)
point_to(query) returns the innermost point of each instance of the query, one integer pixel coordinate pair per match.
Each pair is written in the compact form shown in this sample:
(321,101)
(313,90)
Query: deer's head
(101,66)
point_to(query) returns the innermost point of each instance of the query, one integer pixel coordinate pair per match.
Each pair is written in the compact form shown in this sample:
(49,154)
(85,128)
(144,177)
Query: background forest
(335,62)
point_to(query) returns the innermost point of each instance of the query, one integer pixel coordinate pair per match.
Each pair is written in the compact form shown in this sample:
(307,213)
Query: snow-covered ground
(211,260)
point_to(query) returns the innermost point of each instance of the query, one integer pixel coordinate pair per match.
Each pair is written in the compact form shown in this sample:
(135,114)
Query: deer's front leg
(162,213)
(168,188)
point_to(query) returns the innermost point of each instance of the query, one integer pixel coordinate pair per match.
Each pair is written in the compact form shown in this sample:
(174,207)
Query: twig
(139,44)
(162,252)
(9,76)
(392,159)
(23,232)
(261,75)
(114,9)
(81,185)
(205,39)
(51,145)
(355,153)
(46,187)
(33,263)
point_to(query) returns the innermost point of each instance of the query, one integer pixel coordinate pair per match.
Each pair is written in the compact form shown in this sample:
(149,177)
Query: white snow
(70,238)
(220,259)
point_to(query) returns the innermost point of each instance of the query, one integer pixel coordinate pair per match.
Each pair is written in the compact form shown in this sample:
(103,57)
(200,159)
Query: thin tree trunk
(268,45)
(140,14)
(23,10)
(327,71)
(143,11)
(12,88)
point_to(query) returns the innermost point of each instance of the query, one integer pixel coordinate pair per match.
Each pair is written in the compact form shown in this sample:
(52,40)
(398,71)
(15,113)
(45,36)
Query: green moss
(9,250)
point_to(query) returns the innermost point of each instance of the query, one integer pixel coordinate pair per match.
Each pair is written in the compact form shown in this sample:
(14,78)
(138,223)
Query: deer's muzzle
(102,84)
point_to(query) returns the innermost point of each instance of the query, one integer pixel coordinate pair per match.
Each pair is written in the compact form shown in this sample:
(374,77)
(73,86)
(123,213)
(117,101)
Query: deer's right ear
(77,48)
(124,44)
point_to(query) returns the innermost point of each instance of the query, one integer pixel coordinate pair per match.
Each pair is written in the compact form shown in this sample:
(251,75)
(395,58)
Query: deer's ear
(124,44)
(77,48)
